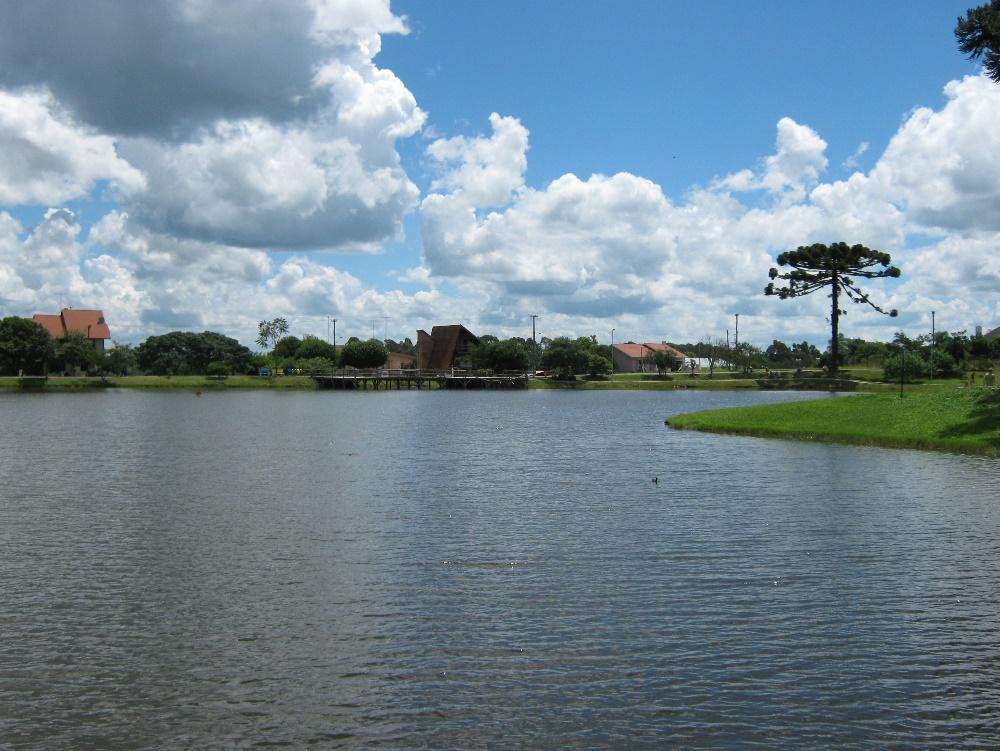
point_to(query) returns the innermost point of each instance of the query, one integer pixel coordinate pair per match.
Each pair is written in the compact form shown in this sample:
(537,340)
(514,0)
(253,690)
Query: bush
(217,369)
(316,363)
(910,366)
(358,354)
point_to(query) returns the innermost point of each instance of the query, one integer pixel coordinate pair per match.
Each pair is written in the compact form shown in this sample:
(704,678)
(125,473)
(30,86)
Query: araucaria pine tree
(815,267)
(978,36)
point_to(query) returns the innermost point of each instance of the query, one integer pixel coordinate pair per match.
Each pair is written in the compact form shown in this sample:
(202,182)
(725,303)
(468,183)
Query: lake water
(483,570)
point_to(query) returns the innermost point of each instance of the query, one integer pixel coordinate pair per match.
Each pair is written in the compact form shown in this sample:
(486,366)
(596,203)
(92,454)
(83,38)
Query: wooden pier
(409,378)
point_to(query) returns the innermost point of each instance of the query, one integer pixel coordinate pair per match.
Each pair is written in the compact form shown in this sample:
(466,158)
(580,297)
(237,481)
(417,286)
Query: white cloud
(47,158)
(487,170)
(283,140)
(943,167)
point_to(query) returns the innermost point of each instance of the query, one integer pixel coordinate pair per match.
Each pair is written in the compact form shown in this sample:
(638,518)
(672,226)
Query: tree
(664,361)
(74,351)
(120,359)
(818,266)
(313,347)
(508,354)
(186,353)
(269,333)
(358,354)
(978,36)
(286,347)
(565,357)
(24,347)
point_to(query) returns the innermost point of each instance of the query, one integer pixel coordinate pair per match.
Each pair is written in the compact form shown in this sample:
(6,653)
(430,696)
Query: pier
(410,378)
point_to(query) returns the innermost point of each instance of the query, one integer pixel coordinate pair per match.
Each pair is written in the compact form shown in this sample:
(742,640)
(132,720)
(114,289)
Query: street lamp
(612,351)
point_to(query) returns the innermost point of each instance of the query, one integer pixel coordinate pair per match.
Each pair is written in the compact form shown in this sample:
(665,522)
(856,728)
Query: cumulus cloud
(943,167)
(167,67)
(207,128)
(46,157)
(585,252)
(795,166)
(484,172)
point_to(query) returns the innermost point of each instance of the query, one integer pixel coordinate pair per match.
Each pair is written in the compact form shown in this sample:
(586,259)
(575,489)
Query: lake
(432,570)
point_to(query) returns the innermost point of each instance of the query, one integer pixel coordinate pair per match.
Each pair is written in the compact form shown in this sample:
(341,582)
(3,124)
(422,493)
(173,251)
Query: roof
(446,341)
(643,350)
(51,322)
(90,323)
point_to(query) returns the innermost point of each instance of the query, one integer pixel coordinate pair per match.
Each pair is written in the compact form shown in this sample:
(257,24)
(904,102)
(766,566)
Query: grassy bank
(948,419)
(191,383)
(721,382)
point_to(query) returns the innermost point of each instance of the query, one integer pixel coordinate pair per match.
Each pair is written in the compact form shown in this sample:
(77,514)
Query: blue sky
(631,165)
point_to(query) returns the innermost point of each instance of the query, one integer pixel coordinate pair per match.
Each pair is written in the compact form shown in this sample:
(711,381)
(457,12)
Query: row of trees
(27,348)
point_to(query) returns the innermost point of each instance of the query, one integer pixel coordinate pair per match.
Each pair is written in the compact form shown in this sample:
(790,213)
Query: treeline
(943,355)
(27,348)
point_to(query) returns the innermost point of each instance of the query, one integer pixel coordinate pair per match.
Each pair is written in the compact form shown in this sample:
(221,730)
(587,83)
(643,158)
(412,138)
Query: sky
(633,166)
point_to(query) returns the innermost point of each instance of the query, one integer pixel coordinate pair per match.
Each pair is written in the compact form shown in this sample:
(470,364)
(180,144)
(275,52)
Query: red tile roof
(643,350)
(50,322)
(90,323)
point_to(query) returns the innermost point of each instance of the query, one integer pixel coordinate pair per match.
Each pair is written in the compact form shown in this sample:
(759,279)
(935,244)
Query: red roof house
(90,323)
(634,358)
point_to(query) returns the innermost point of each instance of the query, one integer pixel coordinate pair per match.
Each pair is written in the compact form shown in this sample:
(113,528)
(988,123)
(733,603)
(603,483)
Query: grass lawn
(949,419)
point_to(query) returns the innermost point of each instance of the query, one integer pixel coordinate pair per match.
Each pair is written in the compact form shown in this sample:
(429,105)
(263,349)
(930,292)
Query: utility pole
(334,332)
(533,317)
(386,319)
(373,328)
(737,341)
(612,350)
(933,345)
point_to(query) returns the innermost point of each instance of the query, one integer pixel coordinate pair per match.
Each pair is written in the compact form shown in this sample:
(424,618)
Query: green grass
(196,383)
(948,419)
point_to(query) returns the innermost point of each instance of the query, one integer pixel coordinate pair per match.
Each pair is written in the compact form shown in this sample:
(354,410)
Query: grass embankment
(191,383)
(721,381)
(951,419)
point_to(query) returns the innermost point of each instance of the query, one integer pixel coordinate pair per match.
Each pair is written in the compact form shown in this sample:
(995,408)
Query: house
(445,347)
(637,358)
(90,323)
(399,360)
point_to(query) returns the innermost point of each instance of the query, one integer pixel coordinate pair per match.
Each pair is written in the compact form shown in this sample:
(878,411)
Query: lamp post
(612,351)
(933,345)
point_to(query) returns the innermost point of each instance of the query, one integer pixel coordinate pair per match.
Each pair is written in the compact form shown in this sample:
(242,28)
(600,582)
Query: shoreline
(954,420)
(621,382)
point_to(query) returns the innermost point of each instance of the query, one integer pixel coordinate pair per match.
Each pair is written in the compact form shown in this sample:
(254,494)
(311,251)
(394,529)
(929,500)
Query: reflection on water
(482,570)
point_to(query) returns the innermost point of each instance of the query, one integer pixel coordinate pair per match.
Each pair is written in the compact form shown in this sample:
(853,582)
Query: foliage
(186,353)
(978,36)
(286,348)
(269,333)
(664,361)
(24,346)
(316,363)
(499,355)
(218,369)
(120,359)
(312,348)
(597,364)
(818,266)
(358,354)
(74,351)
(405,347)
(905,366)
(565,357)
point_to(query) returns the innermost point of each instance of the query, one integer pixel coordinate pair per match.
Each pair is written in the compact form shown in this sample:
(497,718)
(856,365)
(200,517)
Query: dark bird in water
(656,480)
